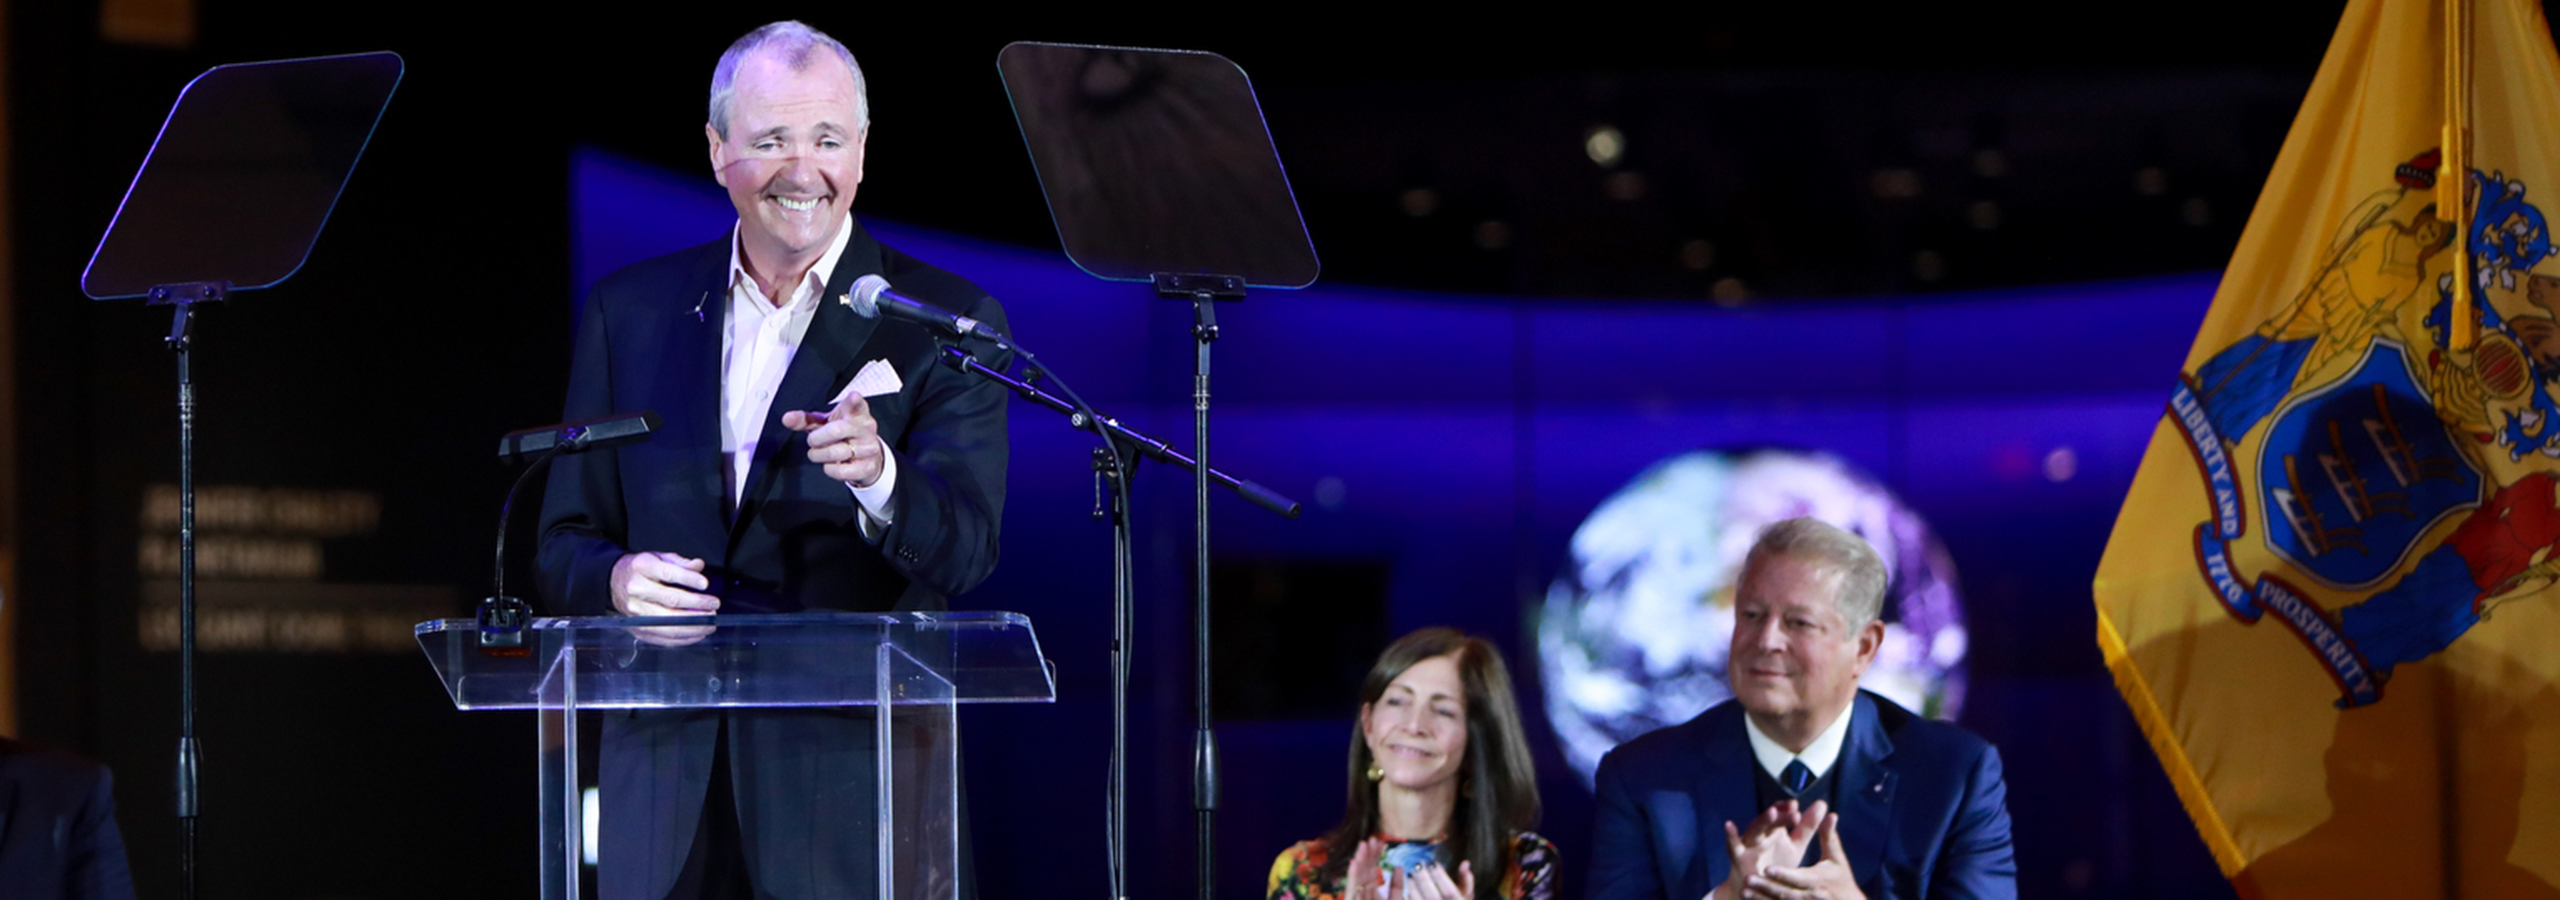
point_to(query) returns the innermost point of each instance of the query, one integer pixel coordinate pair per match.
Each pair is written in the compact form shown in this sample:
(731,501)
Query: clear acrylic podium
(912,669)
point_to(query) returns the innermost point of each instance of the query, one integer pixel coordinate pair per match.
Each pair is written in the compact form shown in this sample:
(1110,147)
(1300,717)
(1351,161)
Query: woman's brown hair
(1498,788)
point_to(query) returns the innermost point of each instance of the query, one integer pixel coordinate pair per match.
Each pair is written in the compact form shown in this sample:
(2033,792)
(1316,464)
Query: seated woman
(1441,787)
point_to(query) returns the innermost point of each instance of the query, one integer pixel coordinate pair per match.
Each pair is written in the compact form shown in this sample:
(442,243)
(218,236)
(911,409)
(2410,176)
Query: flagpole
(2453,195)
(2453,182)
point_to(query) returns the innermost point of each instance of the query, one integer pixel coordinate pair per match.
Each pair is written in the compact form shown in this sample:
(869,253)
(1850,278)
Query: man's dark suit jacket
(649,339)
(1923,810)
(58,836)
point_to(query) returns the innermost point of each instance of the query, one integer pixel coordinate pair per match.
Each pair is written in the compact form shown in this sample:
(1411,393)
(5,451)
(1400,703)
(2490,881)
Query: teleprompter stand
(234,192)
(1159,168)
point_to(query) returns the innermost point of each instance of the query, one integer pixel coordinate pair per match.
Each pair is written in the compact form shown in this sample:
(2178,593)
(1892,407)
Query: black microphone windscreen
(592,434)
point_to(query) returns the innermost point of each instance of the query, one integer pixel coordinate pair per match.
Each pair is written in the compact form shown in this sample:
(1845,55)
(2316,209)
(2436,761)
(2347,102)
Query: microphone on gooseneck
(871,299)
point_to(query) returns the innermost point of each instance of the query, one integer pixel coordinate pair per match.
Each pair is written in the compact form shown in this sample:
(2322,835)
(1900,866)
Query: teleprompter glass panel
(243,174)
(1157,161)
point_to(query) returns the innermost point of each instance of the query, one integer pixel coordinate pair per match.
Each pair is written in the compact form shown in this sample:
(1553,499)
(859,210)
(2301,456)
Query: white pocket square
(876,378)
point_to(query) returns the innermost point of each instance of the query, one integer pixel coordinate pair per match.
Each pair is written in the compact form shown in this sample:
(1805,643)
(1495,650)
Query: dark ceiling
(1814,153)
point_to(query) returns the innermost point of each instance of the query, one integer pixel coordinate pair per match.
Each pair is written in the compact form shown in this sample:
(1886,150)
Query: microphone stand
(1114,463)
(502,617)
(1083,418)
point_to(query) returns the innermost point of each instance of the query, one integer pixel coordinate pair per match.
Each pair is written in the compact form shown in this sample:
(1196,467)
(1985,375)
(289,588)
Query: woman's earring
(1377,774)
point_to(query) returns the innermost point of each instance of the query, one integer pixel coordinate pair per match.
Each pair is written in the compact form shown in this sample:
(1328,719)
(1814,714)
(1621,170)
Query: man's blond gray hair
(797,45)
(1862,573)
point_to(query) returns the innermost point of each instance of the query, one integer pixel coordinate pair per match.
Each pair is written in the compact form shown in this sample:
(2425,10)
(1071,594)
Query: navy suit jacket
(58,837)
(1923,810)
(649,340)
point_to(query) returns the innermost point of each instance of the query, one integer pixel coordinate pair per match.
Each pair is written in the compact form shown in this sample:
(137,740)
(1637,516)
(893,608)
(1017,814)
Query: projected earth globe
(1634,632)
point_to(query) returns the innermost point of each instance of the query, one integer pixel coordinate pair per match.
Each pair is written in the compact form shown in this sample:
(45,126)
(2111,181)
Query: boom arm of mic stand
(957,358)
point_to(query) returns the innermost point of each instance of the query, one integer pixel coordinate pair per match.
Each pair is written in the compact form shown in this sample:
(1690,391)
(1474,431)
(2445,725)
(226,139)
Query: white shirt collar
(811,285)
(1818,756)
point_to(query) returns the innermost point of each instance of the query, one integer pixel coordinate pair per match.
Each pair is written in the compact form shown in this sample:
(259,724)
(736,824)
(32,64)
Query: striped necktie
(1796,778)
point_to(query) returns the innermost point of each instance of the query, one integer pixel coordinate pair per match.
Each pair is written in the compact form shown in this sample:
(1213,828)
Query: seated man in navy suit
(1846,794)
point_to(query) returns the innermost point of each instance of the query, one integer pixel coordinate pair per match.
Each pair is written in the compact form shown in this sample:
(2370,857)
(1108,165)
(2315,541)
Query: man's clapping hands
(1766,856)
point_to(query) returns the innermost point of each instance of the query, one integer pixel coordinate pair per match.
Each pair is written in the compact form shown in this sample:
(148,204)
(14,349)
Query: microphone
(872,298)
(578,437)
(503,617)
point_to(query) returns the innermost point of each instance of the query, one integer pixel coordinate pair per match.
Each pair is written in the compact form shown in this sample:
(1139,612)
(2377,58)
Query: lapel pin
(697,305)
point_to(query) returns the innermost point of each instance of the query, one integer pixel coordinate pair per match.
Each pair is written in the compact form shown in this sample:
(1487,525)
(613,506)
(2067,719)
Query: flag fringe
(2173,756)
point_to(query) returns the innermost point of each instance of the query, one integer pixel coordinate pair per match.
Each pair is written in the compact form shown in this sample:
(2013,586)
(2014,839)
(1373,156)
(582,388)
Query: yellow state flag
(2333,596)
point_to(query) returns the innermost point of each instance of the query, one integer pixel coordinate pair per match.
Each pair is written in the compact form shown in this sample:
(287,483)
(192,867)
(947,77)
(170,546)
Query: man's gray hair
(798,46)
(1862,574)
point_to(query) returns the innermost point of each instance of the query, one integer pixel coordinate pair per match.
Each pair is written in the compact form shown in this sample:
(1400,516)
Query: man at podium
(811,459)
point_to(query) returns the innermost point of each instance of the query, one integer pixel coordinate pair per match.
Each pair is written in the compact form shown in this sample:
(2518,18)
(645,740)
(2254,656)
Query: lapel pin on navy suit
(697,305)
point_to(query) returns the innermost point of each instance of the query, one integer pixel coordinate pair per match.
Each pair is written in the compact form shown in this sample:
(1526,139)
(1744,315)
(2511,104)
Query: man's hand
(844,440)
(1775,840)
(1829,879)
(663,584)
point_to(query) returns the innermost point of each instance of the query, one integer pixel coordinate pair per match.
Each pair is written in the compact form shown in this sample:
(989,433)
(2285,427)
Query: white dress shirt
(756,347)
(1817,756)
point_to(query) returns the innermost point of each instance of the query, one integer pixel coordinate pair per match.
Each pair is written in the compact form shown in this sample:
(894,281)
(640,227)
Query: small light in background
(1895,184)
(1990,163)
(1419,202)
(1624,186)
(168,24)
(1984,214)
(1697,255)
(2061,464)
(1927,266)
(587,825)
(1729,292)
(2196,213)
(1330,492)
(1604,145)
(1493,235)
(2150,182)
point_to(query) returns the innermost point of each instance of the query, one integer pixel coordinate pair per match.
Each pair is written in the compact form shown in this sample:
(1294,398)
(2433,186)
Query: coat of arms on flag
(2333,595)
